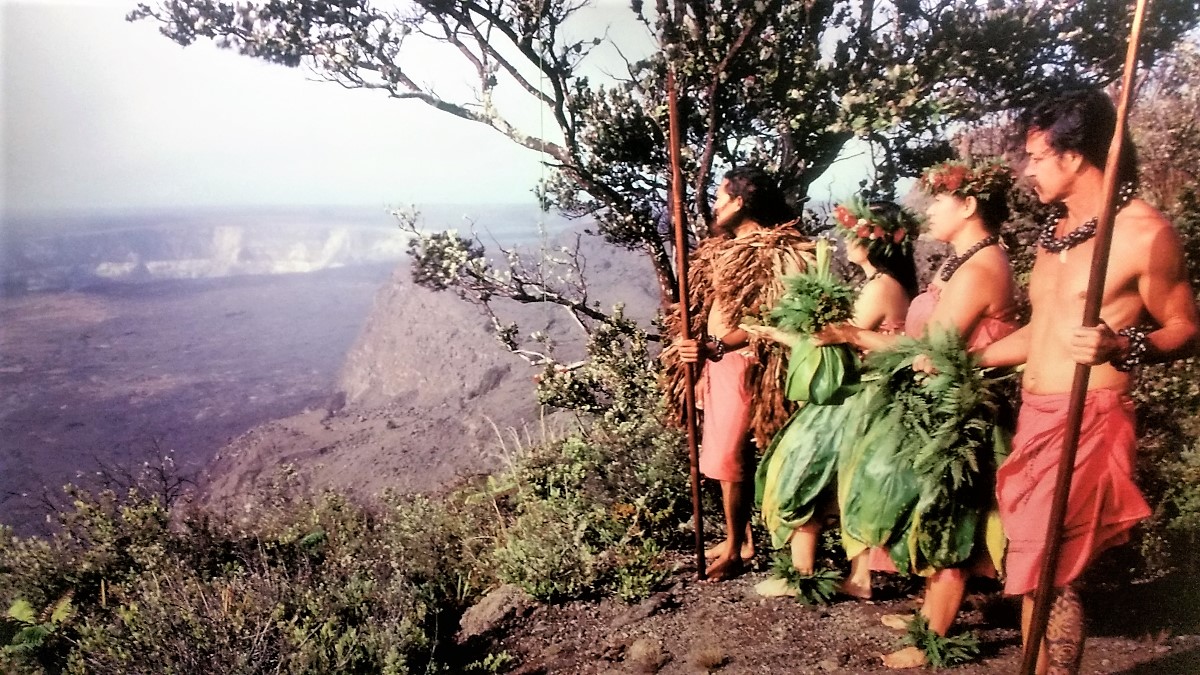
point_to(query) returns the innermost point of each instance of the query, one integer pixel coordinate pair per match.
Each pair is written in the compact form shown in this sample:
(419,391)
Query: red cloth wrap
(1104,501)
(725,440)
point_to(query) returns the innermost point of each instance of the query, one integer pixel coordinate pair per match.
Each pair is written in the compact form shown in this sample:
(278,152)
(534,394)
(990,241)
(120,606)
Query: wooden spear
(1044,596)
(681,272)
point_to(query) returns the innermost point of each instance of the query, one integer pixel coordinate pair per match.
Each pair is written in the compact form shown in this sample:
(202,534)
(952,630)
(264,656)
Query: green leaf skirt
(800,464)
(917,475)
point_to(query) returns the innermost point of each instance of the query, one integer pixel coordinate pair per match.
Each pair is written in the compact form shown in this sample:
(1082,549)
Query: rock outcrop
(426,394)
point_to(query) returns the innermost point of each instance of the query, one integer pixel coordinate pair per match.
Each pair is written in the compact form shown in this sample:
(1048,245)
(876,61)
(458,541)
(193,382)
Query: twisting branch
(506,64)
(448,261)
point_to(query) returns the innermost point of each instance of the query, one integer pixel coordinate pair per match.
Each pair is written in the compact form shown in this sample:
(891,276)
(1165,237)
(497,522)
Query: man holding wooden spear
(734,273)
(1147,314)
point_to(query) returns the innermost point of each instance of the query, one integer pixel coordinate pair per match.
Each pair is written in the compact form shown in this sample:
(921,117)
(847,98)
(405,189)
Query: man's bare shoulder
(1139,215)
(1140,228)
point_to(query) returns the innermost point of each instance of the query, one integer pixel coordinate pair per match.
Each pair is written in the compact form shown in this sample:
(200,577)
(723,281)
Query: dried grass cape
(744,276)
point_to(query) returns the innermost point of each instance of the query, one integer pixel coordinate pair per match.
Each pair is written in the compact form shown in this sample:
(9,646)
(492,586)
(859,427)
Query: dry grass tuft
(707,657)
(645,656)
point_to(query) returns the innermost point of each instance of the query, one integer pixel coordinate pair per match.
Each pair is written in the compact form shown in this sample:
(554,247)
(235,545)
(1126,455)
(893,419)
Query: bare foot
(855,590)
(716,550)
(909,657)
(896,621)
(722,549)
(726,568)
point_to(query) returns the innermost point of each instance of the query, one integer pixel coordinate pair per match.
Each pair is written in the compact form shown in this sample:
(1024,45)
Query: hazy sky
(99,113)
(102,114)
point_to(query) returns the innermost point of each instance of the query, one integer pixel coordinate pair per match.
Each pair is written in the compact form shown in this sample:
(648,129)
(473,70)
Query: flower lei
(964,180)
(873,232)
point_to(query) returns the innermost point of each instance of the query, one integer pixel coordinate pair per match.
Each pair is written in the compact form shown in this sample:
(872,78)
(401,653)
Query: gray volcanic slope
(426,393)
(102,376)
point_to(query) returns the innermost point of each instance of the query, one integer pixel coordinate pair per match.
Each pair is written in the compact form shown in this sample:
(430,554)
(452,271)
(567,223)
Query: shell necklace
(956,261)
(1060,245)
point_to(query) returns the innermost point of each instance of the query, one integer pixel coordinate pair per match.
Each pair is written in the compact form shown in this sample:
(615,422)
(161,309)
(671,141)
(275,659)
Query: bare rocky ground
(699,627)
(105,378)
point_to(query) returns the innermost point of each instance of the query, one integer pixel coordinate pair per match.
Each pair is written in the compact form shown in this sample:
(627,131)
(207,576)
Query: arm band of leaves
(718,349)
(1133,356)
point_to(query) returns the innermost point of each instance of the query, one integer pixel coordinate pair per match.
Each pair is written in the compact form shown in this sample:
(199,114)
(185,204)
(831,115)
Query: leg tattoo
(1064,634)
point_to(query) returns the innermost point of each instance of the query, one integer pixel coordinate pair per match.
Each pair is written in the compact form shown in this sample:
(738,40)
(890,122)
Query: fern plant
(23,632)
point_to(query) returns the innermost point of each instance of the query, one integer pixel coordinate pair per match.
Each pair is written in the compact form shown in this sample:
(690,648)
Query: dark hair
(1082,121)
(896,261)
(992,208)
(762,199)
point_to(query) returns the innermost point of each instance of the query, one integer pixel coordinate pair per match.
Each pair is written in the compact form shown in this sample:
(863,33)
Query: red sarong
(724,443)
(1104,501)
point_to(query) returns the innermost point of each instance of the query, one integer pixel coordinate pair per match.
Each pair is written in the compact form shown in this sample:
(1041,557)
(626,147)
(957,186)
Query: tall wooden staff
(681,271)
(1091,317)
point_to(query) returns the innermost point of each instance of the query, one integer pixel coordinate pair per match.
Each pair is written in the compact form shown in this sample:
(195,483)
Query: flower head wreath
(964,180)
(880,235)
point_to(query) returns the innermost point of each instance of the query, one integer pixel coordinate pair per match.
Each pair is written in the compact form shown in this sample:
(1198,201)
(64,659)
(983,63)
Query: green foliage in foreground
(321,584)
(307,585)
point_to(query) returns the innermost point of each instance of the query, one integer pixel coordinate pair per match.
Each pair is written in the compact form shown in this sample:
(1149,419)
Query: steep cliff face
(426,394)
(423,347)
(430,347)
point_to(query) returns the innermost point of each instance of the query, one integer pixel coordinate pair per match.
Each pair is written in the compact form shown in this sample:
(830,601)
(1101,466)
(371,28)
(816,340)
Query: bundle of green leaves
(941,652)
(818,588)
(951,435)
(814,300)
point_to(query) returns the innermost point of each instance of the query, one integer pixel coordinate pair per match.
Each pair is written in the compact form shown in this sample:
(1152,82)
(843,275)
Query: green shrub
(551,551)
(310,585)
(639,568)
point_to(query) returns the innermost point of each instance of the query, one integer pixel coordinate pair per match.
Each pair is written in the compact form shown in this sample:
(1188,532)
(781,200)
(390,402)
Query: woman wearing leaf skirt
(915,485)
(794,483)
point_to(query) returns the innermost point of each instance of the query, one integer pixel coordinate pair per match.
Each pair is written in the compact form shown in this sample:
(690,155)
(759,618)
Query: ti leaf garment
(745,277)
(889,494)
(801,462)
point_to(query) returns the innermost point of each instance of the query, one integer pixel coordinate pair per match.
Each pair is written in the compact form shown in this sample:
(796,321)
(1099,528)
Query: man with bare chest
(1148,314)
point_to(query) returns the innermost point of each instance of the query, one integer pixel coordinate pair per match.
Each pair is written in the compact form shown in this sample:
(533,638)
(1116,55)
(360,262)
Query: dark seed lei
(873,277)
(956,261)
(1077,236)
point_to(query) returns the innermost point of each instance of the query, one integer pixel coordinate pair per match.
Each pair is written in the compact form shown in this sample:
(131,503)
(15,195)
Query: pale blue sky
(100,114)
